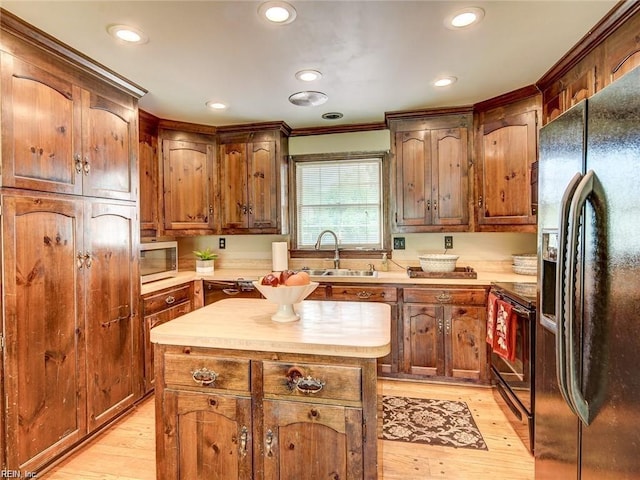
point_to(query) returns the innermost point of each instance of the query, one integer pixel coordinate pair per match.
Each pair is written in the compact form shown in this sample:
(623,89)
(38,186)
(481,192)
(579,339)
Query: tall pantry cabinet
(70,234)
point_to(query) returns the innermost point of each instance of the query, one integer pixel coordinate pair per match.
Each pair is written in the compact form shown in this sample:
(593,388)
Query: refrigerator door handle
(589,185)
(561,338)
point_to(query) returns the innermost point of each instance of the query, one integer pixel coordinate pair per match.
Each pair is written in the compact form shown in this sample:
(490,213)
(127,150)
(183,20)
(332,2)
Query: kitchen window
(343,193)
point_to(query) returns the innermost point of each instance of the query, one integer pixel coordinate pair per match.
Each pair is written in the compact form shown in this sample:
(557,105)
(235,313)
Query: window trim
(384,156)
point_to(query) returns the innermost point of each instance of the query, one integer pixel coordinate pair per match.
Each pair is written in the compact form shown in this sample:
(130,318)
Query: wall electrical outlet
(398,243)
(222,243)
(448,242)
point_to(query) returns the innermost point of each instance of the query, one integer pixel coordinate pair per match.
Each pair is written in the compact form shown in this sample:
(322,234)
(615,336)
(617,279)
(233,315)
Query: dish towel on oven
(492,310)
(504,339)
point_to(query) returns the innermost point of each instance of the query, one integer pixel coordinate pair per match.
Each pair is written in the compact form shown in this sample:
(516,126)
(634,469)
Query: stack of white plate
(525,264)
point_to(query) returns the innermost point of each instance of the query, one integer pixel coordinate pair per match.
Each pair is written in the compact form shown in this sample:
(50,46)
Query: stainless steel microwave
(158,260)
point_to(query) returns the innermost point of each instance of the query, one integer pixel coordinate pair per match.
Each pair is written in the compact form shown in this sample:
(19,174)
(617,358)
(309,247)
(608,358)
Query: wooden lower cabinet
(211,436)
(157,308)
(444,333)
(70,278)
(308,440)
(230,414)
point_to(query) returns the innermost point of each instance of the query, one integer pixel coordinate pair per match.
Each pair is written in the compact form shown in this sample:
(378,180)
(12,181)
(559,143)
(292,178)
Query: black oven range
(514,379)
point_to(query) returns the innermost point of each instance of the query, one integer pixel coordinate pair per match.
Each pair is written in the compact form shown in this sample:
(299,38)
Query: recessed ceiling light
(127,34)
(332,116)
(464,18)
(444,81)
(308,75)
(277,12)
(308,99)
(216,105)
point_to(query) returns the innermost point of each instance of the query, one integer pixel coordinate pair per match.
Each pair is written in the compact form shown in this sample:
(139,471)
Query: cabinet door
(151,321)
(41,129)
(465,346)
(305,440)
(112,323)
(233,183)
(188,197)
(148,158)
(413,178)
(208,436)
(109,159)
(423,339)
(508,151)
(262,182)
(44,369)
(450,181)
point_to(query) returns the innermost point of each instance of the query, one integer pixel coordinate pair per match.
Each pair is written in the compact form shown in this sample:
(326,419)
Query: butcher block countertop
(347,329)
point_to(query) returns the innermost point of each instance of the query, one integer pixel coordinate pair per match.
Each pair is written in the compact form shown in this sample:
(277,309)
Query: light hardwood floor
(126,450)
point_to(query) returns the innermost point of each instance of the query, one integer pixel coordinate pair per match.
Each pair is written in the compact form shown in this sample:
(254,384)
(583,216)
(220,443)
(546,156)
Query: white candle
(279,256)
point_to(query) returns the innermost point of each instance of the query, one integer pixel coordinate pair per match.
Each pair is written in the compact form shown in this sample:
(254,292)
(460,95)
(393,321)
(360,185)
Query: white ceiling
(375,56)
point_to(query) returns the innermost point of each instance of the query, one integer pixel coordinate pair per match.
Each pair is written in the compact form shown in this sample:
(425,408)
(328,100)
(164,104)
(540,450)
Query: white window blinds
(342,195)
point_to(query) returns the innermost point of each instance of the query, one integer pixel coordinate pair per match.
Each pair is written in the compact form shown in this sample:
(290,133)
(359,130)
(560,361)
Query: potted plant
(204,260)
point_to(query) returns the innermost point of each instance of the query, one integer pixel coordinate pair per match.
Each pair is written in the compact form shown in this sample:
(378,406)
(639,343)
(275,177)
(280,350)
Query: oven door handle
(561,337)
(522,313)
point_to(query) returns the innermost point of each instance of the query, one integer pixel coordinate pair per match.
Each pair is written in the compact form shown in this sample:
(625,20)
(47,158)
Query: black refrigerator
(587,386)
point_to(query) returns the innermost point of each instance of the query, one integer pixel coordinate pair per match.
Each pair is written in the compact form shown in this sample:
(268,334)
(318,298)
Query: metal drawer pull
(444,297)
(308,385)
(204,377)
(170,299)
(364,294)
(244,435)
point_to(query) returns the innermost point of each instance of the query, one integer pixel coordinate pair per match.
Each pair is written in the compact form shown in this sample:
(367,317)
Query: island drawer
(206,372)
(302,381)
(364,293)
(166,298)
(466,296)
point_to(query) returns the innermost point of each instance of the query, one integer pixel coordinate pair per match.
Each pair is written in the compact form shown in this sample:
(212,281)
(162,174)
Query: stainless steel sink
(341,272)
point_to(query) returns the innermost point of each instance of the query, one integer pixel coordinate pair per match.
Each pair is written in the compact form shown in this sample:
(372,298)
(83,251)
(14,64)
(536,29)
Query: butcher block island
(239,396)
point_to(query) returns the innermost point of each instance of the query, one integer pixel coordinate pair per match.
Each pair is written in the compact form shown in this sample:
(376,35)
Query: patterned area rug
(435,422)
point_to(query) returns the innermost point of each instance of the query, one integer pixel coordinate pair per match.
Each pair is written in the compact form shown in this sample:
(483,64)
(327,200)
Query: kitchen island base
(245,413)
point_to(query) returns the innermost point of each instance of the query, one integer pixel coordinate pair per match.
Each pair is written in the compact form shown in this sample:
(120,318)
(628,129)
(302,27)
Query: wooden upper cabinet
(188,192)
(507,150)
(149,173)
(110,133)
(43,154)
(253,180)
(59,137)
(622,50)
(430,165)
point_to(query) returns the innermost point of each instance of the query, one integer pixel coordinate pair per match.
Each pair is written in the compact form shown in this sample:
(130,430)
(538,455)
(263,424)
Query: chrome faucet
(336,257)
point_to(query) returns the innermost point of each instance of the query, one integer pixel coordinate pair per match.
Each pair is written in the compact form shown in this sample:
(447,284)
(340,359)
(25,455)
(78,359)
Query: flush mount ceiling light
(308,99)
(127,34)
(444,81)
(280,13)
(213,105)
(332,116)
(308,75)
(464,18)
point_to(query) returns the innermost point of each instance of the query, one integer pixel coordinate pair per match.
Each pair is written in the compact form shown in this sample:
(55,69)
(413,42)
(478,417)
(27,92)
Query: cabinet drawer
(167,298)
(206,372)
(364,293)
(328,382)
(467,296)
(320,293)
